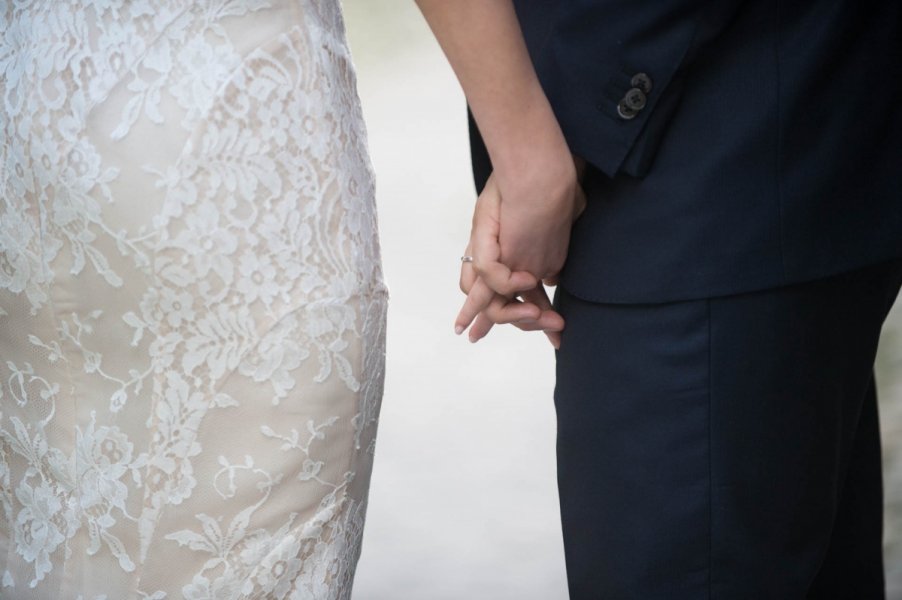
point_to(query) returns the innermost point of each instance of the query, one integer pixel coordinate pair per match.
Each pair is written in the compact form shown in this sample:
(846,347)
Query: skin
(522,220)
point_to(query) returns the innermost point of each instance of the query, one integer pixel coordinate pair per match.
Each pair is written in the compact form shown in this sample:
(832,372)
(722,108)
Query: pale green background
(463,498)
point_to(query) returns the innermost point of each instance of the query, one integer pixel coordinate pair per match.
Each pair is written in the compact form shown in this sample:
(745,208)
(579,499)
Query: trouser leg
(705,447)
(853,565)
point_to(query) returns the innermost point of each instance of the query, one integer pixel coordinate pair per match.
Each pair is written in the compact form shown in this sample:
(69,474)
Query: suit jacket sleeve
(479,155)
(587,52)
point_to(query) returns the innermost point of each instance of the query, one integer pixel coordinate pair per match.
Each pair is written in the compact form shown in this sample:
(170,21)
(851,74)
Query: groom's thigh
(703,445)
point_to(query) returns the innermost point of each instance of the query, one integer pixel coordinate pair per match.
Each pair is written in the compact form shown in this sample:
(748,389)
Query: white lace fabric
(192,309)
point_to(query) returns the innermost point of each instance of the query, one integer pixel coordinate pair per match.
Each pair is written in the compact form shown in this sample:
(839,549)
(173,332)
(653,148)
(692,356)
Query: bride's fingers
(539,297)
(497,309)
(481,327)
(550,321)
(501,279)
(478,298)
(553,336)
(467,277)
(467,272)
(500,311)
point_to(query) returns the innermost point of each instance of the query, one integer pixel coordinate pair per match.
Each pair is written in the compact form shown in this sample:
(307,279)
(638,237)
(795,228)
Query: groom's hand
(539,206)
(491,286)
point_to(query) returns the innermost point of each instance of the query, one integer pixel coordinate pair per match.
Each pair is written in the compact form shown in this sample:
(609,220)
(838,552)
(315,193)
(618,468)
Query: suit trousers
(724,447)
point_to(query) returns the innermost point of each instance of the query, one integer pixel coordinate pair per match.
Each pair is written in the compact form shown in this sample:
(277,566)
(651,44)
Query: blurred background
(463,503)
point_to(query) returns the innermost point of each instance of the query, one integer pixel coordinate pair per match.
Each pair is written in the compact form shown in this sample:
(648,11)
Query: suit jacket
(733,144)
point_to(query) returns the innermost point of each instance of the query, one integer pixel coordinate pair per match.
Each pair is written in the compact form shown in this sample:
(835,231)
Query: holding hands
(522,222)
(518,242)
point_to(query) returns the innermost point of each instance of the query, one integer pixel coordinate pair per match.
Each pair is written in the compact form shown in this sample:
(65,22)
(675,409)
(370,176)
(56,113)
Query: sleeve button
(635,99)
(625,111)
(641,81)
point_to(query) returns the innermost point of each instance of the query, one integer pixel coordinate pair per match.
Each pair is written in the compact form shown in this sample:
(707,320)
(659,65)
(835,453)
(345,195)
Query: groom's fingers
(502,280)
(549,321)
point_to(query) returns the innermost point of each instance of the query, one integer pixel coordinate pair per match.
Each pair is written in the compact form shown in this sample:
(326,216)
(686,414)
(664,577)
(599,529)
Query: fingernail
(458,329)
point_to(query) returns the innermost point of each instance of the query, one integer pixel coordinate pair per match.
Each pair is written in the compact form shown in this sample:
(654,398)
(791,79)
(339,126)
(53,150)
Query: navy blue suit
(724,290)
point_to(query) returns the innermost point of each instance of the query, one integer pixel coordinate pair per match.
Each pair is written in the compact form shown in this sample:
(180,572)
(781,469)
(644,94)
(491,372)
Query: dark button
(641,81)
(635,99)
(625,111)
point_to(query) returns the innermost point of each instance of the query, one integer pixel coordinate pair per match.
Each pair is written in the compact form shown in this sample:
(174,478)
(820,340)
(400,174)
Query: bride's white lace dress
(192,307)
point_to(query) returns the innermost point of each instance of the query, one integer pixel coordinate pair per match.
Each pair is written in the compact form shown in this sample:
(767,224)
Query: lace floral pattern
(192,311)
